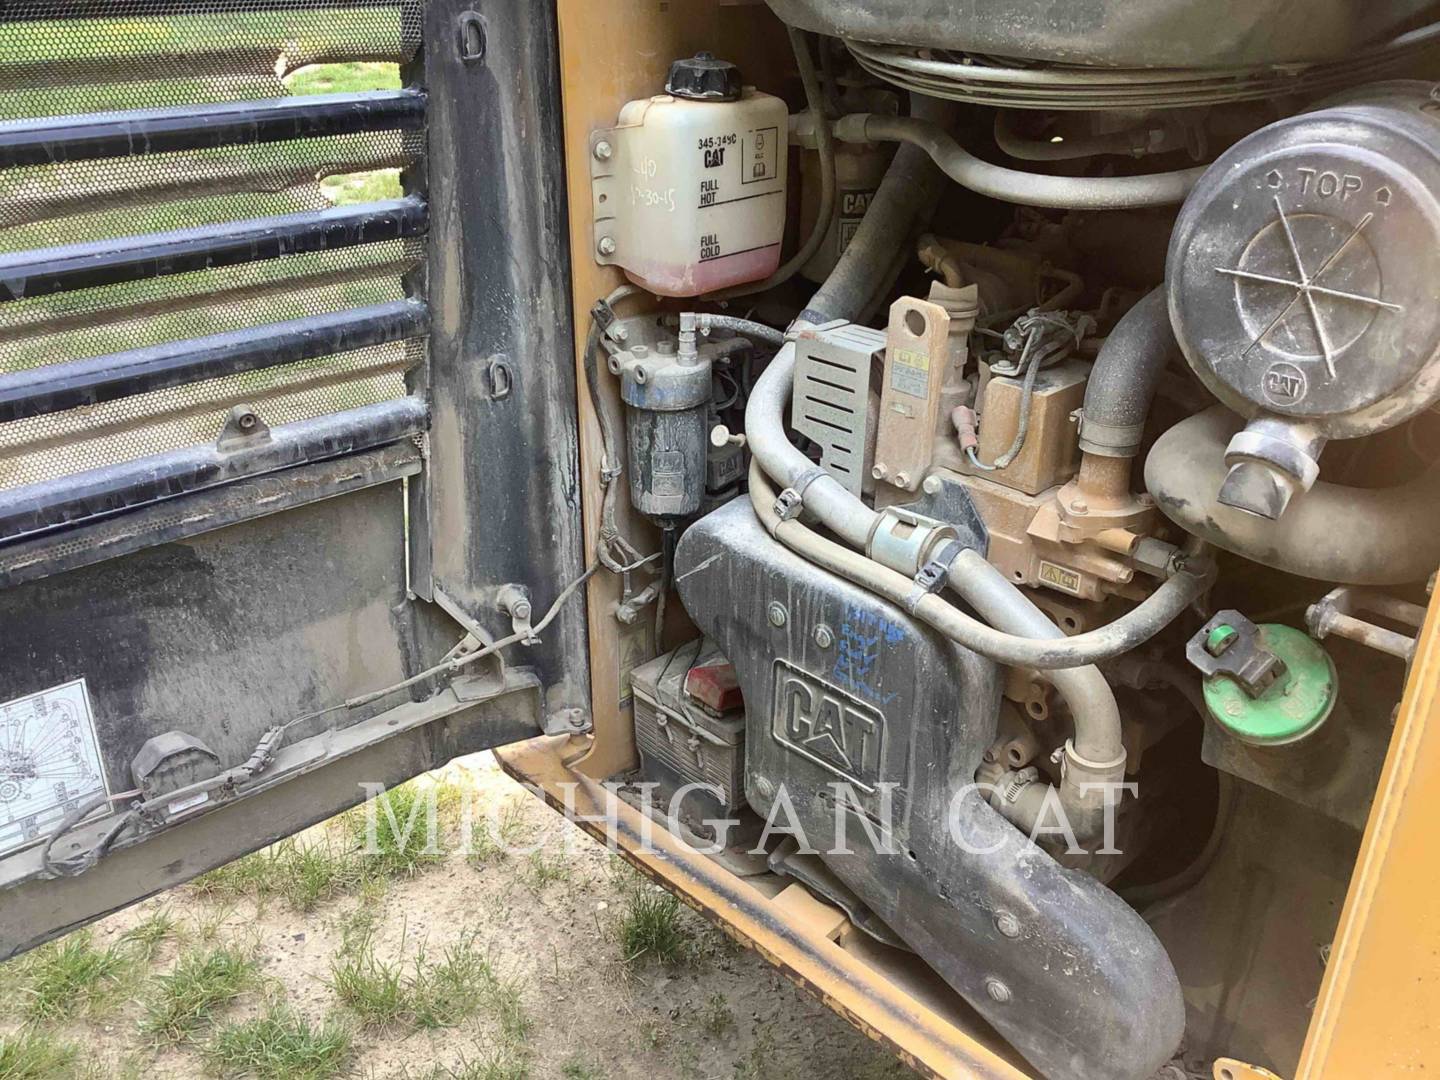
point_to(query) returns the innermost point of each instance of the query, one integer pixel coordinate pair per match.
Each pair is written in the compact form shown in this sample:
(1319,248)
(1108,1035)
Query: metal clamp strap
(792,500)
(936,572)
(788,504)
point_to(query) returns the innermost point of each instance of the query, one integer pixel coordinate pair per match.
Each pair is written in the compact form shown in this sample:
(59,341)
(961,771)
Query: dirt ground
(549,925)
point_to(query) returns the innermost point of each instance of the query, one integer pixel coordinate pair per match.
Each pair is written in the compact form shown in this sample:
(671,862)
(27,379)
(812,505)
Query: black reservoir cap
(703,78)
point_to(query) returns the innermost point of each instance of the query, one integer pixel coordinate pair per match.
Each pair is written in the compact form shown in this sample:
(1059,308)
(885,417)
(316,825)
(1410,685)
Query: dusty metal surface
(502,498)
(888,723)
(309,781)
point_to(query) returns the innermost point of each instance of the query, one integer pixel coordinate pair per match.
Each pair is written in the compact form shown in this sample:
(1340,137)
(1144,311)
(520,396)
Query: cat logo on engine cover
(823,723)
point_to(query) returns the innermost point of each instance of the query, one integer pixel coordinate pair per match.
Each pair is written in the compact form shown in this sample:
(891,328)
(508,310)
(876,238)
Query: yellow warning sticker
(910,372)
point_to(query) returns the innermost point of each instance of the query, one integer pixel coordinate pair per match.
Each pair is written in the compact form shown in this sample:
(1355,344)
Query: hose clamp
(933,575)
(792,500)
(788,504)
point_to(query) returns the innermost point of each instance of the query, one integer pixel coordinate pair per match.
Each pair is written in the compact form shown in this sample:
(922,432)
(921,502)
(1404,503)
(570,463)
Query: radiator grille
(62,59)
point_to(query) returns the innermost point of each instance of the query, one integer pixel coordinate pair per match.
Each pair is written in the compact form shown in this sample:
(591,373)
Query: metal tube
(1014,186)
(1096,756)
(53,139)
(1333,532)
(56,387)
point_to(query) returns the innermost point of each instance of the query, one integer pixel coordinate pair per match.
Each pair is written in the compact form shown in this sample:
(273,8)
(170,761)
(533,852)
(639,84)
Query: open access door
(268,459)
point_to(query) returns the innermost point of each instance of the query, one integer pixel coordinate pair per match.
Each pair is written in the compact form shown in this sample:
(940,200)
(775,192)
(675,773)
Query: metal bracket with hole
(243,429)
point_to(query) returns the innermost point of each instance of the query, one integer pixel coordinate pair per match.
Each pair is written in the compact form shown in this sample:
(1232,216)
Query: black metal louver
(170,246)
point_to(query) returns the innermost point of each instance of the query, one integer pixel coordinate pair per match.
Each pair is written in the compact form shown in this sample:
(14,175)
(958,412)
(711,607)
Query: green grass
(496,1063)
(202,983)
(362,186)
(542,871)
(307,873)
(150,933)
(716,1019)
(353,78)
(577,1068)
(301,874)
(492,841)
(650,927)
(428,993)
(279,1045)
(35,1055)
(375,991)
(66,977)
(399,845)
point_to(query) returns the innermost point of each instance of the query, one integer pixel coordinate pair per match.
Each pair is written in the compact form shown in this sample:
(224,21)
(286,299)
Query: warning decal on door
(49,762)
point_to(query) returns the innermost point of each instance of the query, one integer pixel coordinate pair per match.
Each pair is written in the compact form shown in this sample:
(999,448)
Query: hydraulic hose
(1095,757)
(825,145)
(1015,186)
(1125,377)
(747,327)
(1084,689)
(885,227)
(909,183)
(1136,142)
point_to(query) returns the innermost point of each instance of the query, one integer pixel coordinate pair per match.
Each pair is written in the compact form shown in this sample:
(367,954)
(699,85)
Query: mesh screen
(46,447)
(64,57)
(135,54)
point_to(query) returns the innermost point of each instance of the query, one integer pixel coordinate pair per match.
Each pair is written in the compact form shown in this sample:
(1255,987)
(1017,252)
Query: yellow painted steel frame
(1377,1012)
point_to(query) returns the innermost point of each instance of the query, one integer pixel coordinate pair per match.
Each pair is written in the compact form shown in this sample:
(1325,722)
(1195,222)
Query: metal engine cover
(1110,33)
(842,689)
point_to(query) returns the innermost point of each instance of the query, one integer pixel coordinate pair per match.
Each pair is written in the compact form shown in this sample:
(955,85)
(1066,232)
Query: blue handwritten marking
(864,635)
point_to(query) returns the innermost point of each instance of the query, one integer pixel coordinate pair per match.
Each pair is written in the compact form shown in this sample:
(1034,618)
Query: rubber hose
(1084,689)
(1015,186)
(825,146)
(747,327)
(910,181)
(1125,376)
(1136,142)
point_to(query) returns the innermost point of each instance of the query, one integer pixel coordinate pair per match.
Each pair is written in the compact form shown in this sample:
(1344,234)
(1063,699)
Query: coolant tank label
(49,762)
(690,196)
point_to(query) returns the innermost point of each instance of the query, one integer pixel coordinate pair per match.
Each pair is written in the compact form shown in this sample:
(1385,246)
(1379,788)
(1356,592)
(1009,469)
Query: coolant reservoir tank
(689,187)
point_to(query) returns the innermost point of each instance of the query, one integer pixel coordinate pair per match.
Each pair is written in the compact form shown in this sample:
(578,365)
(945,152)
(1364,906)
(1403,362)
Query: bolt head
(1007,924)
(997,990)
(1079,506)
(879,472)
(824,636)
(777,614)
(607,245)
(522,609)
(603,151)
(932,485)
(902,479)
